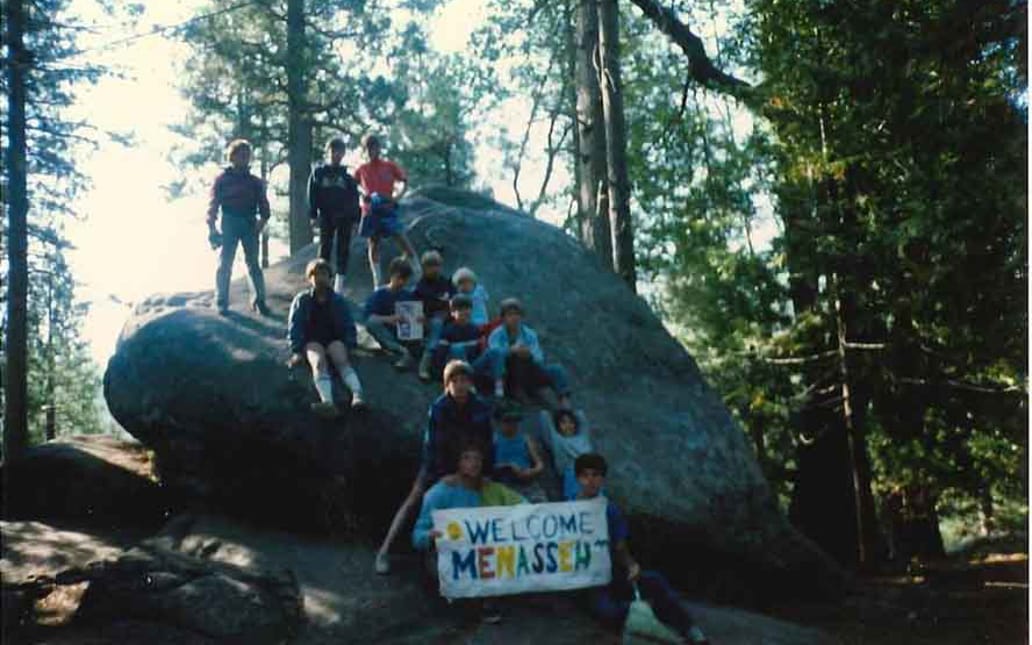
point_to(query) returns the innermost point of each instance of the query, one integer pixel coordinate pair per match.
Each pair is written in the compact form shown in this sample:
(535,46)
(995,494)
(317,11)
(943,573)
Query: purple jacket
(239,193)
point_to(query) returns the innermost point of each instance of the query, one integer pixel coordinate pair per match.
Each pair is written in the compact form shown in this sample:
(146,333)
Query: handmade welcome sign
(499,550)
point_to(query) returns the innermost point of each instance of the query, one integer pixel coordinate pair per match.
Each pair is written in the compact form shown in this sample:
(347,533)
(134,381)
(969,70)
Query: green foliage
(363,74)
(60,370)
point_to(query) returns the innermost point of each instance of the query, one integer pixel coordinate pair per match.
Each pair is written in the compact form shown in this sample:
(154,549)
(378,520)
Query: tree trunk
(622,230)
(51,405)
(591,154)
(299,153)
(16,426)
(570,103)
(263,164)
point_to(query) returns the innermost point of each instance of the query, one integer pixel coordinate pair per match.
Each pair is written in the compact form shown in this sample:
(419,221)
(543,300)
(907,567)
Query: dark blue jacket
(301,309)
(449,427)
(435,294)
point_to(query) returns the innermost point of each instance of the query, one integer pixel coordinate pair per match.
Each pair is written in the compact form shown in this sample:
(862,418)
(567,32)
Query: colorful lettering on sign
(564,556)
(460,564)
(583,558)
(484,562)
(477,531)
(505,560)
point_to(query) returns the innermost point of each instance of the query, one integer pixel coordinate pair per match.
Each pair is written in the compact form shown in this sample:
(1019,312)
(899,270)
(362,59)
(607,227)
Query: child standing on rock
(378,177)
(240,196)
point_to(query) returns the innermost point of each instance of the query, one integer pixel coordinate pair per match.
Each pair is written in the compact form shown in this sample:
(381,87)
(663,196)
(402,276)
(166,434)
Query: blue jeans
(385,335)
(238,230)
(611,603)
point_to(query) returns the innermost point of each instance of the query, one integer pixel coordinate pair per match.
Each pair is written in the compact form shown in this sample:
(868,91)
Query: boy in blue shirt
(320,326)
(457,417)
(517,457)
(611,603)
(460,339)
(381,319)
(523,365)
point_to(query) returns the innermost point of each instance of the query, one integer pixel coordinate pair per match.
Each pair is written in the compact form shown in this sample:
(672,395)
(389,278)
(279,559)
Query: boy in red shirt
(377,177)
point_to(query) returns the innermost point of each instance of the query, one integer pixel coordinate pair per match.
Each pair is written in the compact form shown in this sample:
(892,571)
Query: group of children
(475,451)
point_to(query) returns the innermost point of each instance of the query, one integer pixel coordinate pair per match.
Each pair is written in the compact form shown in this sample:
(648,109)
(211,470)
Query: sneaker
(424,374)
(696,637)
(383,564)
(404,360)
(357,401)
(325,409)
(490,613)
(261,308)
(222,308)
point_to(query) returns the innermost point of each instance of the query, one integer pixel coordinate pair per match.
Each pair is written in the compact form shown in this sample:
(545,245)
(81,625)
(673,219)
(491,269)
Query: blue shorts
(381,222)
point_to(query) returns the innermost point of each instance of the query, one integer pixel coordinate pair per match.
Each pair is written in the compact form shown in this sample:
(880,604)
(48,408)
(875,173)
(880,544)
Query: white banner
(499,550)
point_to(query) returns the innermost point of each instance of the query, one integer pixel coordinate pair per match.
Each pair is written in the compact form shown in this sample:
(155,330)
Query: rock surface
(91,478)
(148,593)
(229,422)
(207,579)
(345,602)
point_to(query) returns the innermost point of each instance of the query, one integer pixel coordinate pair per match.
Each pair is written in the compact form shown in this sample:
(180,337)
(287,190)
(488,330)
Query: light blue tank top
(511,451)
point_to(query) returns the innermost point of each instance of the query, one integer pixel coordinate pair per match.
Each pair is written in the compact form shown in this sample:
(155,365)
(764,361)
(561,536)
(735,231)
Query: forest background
(826,202)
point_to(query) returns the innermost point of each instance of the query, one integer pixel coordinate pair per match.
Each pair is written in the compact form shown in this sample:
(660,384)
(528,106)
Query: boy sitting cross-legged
(320,326)
(523,366)
(381,319)
(460,339)
(517,458)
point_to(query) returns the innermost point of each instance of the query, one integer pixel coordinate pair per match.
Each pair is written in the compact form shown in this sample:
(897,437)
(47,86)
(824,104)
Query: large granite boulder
(227,421)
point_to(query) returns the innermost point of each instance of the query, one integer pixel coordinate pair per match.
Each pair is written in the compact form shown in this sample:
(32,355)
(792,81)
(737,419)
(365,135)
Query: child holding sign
(611,603)
(466,488)
(455,418)
(381,318)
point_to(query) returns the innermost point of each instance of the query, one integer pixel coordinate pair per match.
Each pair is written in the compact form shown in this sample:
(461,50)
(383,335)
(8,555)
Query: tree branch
(700,66)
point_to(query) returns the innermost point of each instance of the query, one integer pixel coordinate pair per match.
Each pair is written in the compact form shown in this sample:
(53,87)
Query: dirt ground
(980,596)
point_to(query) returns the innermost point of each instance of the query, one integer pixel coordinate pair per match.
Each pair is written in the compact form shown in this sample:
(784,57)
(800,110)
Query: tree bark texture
(591,151)
(299,153)
(621,227)
(16,427)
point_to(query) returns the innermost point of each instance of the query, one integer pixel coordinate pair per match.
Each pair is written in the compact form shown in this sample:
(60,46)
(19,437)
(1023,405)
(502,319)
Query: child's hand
(393,319)
(295,360)
(435,534)
(633,571)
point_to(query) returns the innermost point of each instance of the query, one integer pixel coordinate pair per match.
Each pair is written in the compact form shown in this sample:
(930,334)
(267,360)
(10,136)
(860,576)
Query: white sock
(338,285)
(324,386)
(499,389)
(350,378)
(375,268)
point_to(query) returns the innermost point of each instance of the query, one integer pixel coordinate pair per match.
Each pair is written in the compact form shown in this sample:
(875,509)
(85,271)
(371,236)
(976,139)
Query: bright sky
(133,242)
